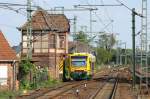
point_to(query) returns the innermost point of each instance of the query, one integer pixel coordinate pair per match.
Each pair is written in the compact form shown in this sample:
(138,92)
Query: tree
(106,41)
(81,37)
(103,56)
(104,50)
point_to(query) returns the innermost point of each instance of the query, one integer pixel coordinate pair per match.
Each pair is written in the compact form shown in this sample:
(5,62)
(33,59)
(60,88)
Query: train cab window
(78,61)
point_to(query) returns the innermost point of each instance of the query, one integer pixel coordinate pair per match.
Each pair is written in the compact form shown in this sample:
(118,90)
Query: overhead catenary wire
(124,5)
(138,14)
(107,14)
(100,20)
(101,5)
(15,4)
(106,11)
(105,25)
(13,9)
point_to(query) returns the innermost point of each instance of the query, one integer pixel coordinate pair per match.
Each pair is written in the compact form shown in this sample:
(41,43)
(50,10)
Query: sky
(121,16)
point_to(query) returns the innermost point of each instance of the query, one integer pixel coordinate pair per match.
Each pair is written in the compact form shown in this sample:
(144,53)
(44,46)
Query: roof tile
(6,52)
(42,20)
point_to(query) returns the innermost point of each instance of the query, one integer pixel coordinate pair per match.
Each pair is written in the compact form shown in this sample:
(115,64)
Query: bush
(39,76)
(25,84)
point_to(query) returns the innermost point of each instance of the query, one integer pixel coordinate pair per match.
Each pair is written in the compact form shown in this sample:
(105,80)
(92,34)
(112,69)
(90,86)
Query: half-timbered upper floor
(49,31)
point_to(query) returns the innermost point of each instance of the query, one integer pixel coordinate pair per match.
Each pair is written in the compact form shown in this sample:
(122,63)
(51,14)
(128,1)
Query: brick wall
(9,76)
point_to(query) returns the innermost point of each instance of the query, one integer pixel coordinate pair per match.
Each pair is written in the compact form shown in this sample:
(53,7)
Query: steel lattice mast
(29,30)
(144,42)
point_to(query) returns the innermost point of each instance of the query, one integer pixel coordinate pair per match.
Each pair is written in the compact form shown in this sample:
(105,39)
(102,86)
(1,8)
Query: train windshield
(78,60)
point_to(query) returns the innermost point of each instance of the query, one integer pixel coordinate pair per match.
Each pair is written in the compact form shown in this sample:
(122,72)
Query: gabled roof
(42,20)
(6,52)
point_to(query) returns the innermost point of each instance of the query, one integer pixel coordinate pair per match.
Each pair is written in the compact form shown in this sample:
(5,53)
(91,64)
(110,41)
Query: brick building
(7,65)
(49,39)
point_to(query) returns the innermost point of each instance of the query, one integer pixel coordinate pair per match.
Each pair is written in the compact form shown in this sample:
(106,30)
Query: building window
(52,41)
(24,44)
(62,41)
(39,42)
(3,75)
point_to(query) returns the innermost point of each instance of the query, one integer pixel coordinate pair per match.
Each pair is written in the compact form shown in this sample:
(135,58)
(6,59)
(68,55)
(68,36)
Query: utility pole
(117,59)
(133,45)
(91,21)
(29,30)
(74,29)
(118,55)
(134,13)
(91,9)
(125,54)
(75,32)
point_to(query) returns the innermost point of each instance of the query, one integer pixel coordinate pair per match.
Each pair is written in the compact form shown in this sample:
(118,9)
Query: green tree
(106,41)
(81,37)
(103,56)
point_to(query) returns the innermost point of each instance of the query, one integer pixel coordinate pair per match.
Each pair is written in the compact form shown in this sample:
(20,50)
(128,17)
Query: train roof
(91,56)
(86,54)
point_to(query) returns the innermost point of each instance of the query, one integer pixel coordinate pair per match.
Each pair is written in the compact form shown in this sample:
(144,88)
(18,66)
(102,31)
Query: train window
(78,60)
(79,63)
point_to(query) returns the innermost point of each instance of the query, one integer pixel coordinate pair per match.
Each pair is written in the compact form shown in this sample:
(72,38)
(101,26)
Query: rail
(39,92)
(100,88)
(72,86)
(113,93)
(96,93)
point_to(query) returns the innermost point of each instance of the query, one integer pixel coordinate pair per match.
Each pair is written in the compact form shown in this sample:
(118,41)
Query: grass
(8,94)
(39,85)
(48,83)
(44,84)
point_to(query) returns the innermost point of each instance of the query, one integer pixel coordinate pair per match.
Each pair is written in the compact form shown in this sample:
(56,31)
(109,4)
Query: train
(78,66)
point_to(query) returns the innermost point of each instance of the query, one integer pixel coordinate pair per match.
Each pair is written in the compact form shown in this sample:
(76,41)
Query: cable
(124,5)
(106,11)
(13,9)
(14,4)
(107,25)
(129,8)
(101,21)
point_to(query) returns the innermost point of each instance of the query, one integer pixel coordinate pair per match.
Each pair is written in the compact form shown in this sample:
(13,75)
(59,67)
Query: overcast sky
(9,19)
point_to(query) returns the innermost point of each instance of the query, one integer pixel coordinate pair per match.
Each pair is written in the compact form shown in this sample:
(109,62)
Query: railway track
(109,88)
(82,89)
(60,91)
(39,92)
